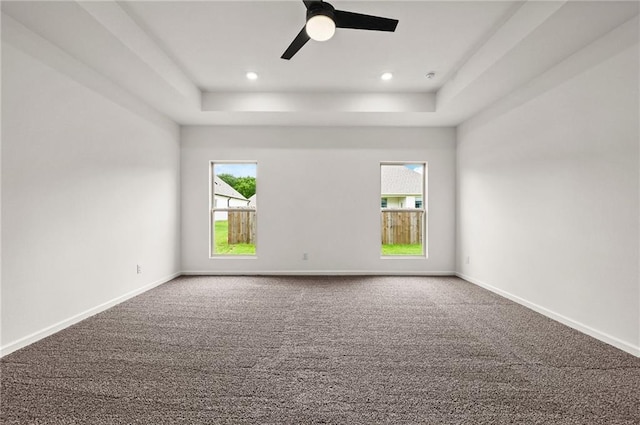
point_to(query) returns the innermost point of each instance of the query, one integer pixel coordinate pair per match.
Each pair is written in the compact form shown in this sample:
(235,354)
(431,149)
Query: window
(233,206)
(403,213)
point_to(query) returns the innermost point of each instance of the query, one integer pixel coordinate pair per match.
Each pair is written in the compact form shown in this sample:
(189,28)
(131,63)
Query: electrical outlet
(305,256)
(138,269)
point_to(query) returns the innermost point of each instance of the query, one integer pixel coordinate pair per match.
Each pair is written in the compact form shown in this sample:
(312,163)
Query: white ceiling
(188,60)
(215,43)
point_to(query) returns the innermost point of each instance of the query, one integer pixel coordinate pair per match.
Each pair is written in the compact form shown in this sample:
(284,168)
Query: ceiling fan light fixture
(322,19)
(320,27)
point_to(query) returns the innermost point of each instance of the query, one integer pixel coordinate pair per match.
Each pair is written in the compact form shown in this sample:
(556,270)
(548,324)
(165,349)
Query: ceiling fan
(323,19)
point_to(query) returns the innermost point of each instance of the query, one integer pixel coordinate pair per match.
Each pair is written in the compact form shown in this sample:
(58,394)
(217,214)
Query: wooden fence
(402,226)
(242,227)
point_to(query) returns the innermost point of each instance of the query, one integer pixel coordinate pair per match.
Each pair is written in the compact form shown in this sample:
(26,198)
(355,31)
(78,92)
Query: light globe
(320,28)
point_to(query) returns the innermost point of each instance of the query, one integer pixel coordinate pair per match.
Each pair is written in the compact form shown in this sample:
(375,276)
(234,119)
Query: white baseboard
(604,337)
(30,339)
(315,273)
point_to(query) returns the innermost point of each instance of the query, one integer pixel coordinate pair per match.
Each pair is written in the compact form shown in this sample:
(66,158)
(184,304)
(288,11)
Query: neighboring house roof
(223,189)
(400,180)
(252,200)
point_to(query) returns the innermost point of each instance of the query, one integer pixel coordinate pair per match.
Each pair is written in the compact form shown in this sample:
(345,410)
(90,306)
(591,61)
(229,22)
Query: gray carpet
(339,350)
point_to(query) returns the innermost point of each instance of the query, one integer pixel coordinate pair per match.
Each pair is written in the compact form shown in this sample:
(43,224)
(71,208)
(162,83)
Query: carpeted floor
(339,350)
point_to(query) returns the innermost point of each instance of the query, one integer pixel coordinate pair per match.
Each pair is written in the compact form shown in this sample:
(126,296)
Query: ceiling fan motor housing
(321,8)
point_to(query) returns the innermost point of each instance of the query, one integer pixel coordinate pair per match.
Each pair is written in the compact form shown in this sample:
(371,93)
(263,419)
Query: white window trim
(424,209)
(213,210)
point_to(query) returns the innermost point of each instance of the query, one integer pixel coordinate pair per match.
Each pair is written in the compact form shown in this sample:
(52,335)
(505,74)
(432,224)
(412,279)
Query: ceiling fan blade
(308,3)
(300,40)
(364,22)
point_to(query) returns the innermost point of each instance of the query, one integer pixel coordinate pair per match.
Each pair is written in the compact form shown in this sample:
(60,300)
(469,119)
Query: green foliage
(222,246)
(230,179)
(244,185)
(400,249)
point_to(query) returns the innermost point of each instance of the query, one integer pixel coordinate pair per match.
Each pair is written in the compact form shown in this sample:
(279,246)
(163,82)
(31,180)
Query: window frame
(213,209)
(424,209)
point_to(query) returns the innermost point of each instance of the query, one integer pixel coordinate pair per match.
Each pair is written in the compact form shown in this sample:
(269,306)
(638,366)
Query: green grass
(222,247)
(399,249)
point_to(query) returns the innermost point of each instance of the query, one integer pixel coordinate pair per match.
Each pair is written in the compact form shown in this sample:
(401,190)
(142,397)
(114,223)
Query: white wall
(89,190)
(319,191)
(548,195)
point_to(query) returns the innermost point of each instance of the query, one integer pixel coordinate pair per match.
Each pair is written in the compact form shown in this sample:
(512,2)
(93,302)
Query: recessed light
(252,75)
(386,76)
(430,75)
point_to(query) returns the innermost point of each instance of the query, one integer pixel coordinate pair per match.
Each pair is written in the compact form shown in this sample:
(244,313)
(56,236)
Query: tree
(229,179)
(246,186)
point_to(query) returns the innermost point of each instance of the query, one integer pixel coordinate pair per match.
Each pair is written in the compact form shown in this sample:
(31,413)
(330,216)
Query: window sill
(233,257)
